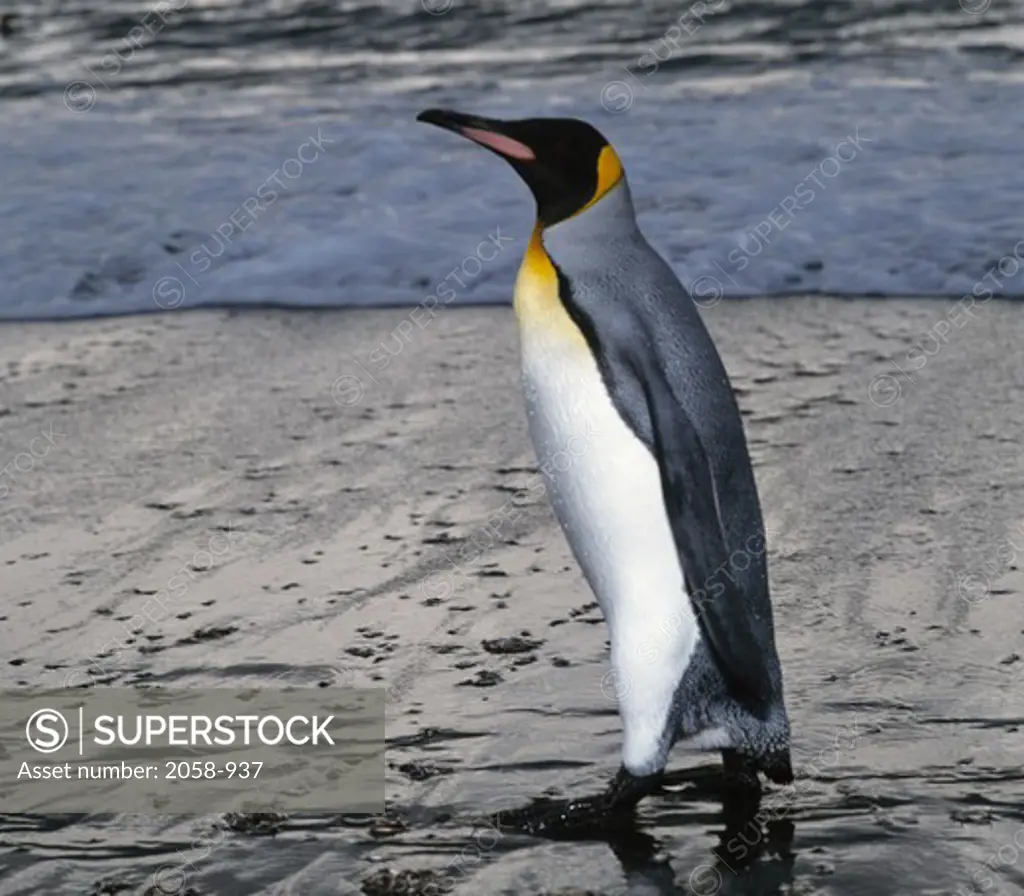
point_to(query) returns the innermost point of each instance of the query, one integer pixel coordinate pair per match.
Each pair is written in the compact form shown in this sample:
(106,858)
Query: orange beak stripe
(506,146)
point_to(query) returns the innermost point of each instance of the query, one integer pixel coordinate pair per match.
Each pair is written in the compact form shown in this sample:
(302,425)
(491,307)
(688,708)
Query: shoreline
(466,304)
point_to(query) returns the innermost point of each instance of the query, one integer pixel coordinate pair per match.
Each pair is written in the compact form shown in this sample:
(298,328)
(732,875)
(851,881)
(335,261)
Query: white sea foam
(922,196)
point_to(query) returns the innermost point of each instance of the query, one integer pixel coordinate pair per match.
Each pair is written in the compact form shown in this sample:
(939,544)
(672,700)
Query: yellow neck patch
(537,304)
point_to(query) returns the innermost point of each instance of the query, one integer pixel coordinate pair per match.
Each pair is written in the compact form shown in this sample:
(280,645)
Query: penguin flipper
(691,504)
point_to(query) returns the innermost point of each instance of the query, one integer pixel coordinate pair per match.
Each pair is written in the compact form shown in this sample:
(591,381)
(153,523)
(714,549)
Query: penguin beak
(488,132)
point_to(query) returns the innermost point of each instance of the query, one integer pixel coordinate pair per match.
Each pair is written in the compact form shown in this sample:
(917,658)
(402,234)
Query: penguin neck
(571,247)
(608,220)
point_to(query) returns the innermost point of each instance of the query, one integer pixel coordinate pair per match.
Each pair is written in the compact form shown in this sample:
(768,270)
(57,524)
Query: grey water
(134,131)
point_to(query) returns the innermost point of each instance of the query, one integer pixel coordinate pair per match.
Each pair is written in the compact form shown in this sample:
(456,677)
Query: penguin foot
(579,818)
(779,767)
(739,776)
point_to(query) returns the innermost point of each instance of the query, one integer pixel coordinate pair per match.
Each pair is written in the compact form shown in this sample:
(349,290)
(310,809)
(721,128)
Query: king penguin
(659,503)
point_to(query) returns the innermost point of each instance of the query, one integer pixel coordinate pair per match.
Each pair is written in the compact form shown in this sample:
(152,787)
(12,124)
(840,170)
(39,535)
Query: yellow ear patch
(609,173)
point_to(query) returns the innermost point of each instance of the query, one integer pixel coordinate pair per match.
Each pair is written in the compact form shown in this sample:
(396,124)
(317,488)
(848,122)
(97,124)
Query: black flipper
(692,506)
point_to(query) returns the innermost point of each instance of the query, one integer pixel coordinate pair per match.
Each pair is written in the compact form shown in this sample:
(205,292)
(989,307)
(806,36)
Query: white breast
(606,491)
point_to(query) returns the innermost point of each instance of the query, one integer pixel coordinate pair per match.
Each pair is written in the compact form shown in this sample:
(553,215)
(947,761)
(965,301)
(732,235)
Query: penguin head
(565,162)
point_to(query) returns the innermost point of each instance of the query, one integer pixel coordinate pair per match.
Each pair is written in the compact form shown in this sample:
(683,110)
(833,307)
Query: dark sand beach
(386,528)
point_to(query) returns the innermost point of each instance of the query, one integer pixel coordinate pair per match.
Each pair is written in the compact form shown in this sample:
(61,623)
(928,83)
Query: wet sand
(382,525)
